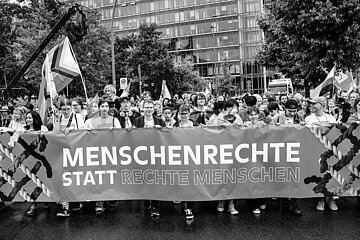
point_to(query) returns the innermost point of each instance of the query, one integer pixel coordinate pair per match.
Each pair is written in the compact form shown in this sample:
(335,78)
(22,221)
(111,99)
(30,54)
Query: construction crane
(74,21)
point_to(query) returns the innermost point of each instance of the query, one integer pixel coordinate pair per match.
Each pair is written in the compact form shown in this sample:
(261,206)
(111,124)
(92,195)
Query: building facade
(213,34)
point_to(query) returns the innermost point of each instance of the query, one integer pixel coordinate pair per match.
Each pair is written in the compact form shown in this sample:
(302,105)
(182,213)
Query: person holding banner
(77,106)
(352,97)
(34,123)
(167,117)
(201,113)
(319,118)
(68,121)
(185,122)
(104,121)
(290,116)
(224,118)
(126,116)
(150,121)
(18,119)
(355,117)
(253,113)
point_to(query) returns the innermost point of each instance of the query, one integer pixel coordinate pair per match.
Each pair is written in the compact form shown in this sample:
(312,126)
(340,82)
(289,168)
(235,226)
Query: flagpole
(52,112)
(83,82)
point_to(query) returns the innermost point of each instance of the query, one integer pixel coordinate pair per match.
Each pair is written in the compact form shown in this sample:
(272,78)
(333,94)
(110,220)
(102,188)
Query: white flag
(126,91)
(165,91)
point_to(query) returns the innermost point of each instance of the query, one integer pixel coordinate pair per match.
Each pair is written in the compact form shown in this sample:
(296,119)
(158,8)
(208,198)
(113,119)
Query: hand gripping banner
(195,164)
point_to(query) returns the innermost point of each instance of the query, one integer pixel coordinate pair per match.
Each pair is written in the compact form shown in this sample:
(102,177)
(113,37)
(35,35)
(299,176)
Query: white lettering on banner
(149,176)
(188,152)
(178,155)
(184,177)
(173,154)
(90,155)
(105,153)
(242,175)
(277,147)
(78,159)
(224,154)
(124,155)
(256,152)
(88,177)
(290,152)
(136,155)
(237,153)
(160,155)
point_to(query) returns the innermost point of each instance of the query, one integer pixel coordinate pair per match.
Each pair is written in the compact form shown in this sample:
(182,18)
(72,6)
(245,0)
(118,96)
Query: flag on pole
(47,89)
(165,91)
(64,66)
(208,90)
(59,69)
(126,91)
(338,80)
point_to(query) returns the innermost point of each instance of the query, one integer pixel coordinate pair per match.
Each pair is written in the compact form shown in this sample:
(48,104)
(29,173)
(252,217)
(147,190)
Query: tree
(33,23)
(186,79)
(150,53)
(224,83)
(304,37)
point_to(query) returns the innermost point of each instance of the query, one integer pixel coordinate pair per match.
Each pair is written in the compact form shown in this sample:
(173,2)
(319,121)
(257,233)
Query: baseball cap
(321,100)
(201,96)
(124,99)
(4,109)
(291,104)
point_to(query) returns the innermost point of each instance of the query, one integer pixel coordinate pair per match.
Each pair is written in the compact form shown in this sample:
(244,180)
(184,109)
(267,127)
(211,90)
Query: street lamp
(214,48)
(113,40)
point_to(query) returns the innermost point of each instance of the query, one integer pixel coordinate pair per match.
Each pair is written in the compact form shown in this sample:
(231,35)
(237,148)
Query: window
(152,6)
(192,29)
(252,7)
(192,15)
(251,22)
(182,16)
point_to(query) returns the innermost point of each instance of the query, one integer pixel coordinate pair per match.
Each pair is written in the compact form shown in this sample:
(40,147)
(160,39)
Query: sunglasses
(184,113)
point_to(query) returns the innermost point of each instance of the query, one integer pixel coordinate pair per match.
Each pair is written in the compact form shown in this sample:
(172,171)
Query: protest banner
(195,164)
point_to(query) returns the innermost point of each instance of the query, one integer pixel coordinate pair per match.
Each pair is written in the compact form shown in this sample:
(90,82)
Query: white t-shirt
(77,122)
(313,119)
(149,123)
(100,123)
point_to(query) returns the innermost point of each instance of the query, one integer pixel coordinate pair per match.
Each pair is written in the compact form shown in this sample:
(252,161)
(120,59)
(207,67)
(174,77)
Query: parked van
(281,86)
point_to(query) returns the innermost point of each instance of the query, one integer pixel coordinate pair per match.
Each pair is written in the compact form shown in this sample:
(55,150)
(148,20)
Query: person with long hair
(103,121)
(201,113)
(355,117)
(17,122)
(256,204)
(34,123)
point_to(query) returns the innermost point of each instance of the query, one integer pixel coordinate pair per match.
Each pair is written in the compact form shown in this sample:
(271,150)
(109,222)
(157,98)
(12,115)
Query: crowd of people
(188,110)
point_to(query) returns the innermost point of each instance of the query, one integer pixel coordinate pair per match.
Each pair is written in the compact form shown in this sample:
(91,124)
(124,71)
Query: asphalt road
(129,222)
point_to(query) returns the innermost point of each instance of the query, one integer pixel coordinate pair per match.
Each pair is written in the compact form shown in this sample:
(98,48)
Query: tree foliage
(186,79)
(304,37)
(30,24)
(147,50)
(224,83)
